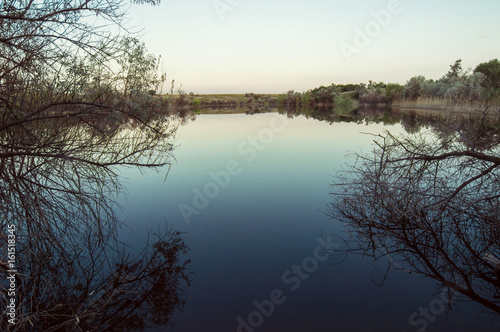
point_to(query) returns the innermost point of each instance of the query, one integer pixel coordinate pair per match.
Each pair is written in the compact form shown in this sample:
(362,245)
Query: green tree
(324,94)
(469,89)
(491,71)
(417,86)
(455,73)
(394,91)
(139,70)
(359,90)
(438,88)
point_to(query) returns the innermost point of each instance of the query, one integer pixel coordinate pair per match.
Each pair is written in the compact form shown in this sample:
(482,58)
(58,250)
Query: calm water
(257,241)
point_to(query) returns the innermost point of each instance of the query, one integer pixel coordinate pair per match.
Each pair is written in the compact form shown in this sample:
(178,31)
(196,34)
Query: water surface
(262,234)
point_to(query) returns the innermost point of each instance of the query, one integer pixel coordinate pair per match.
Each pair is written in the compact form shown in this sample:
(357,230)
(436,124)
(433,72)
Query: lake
(251,195)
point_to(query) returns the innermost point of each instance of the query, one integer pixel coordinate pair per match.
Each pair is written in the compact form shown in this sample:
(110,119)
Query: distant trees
(455,72)
(394,91)
(292,99)
(437,89)
(139,70)
(321,96)
(416,87)
(491,71)
(457,85)
(373,96)
(346,87)
(467,89)
(325,95)
(359,91)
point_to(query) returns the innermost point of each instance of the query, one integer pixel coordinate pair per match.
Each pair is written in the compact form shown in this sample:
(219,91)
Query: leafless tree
(59,186)
(77,101)
(60,59)
(430,202)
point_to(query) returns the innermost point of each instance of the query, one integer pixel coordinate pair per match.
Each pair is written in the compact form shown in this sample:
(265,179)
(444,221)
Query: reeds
(446,104)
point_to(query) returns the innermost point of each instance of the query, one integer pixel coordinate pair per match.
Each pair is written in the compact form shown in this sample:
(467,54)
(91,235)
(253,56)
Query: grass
(441,104)
(443,108)
(222,99)
(243,103)
(240,97)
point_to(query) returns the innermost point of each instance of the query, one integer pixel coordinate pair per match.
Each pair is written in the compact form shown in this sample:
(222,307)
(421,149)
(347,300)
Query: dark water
(250,193)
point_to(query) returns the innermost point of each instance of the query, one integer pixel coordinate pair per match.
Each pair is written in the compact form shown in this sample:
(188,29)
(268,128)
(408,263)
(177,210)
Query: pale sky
(272,46)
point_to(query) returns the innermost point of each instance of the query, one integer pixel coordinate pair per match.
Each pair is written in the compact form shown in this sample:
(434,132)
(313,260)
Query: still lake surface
(260,235)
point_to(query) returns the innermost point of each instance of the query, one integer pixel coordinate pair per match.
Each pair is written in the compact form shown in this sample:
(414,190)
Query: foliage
(344,100)
(54,63)
(75,102)
(379,85)
(417,86)
(324,95)
(455,87)
(455,73)
(139,70)
(359,91)
(306,99)
(346,87)
(373,96)
(491,71)
(468,89)
(394,91)
(438,89)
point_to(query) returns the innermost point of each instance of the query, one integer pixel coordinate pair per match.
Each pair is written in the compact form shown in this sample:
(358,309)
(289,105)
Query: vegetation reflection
(430,202)
(59,184)
(76,103)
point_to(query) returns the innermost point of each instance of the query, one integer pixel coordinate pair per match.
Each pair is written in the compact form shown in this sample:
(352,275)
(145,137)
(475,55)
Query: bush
(491,70)
(394,91)
(359,91)
(467,90)
(344,100)
(373,97)
(438,89)
(417,86)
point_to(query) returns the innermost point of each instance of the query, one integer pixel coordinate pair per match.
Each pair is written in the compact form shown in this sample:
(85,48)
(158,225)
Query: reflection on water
(263,231)
(430,203)
(66,269)
(258,236)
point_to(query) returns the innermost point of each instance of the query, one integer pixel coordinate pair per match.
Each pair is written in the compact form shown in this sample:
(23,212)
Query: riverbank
(260,103)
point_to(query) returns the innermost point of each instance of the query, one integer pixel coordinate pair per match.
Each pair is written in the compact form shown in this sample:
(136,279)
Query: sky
(272,46)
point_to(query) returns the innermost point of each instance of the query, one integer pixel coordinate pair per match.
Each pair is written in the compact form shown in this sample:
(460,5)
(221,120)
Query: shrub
(467,90)
(417,86)
(394,91)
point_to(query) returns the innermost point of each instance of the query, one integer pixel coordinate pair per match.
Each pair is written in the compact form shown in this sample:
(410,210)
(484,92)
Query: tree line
(458,86)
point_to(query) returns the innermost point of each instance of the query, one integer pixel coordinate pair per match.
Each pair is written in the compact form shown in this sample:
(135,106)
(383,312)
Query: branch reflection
(430,201)
(59,184)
